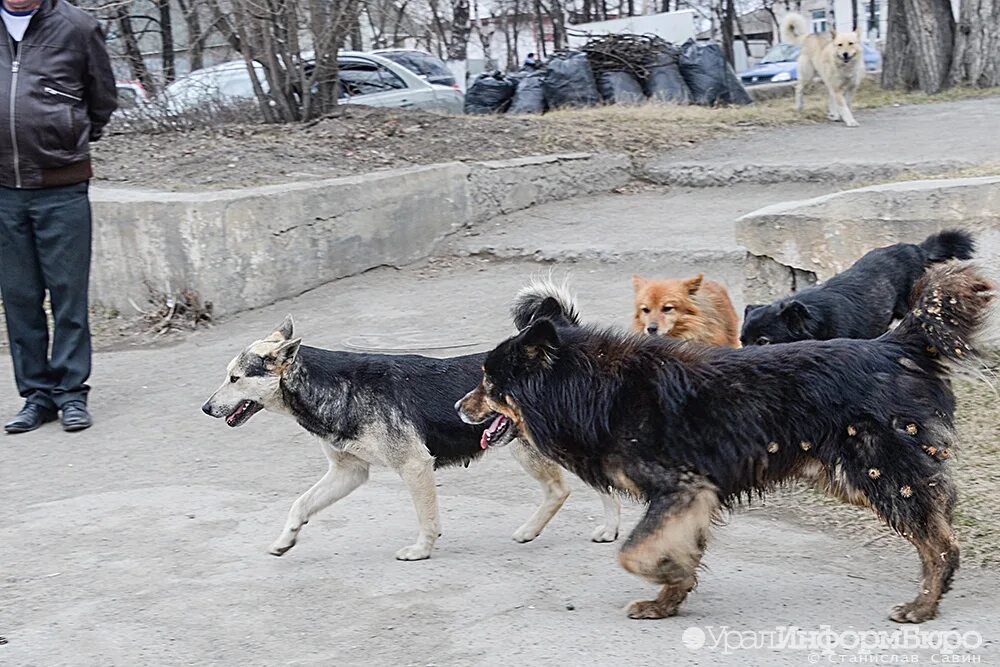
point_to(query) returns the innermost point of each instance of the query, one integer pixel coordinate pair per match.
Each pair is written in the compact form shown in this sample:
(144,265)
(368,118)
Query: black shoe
(75,416)
(29,418)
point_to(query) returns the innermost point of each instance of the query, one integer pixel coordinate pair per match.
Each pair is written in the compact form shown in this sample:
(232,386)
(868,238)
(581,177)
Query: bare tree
(931,28)
(898,70)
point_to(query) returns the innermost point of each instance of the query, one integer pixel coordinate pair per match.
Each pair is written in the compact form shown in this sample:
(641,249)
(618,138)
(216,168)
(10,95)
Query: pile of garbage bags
(613,69)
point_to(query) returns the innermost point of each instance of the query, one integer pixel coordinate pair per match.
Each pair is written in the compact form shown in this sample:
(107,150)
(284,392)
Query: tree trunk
(931,28)
(976,58)
(854,15)
(132,52)
(167,42)
(898,69)
(458,45)
(196,36)
(727,20)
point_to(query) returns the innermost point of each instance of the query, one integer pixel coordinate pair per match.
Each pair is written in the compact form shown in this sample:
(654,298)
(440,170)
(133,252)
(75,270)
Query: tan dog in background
(837,57)
(688,308)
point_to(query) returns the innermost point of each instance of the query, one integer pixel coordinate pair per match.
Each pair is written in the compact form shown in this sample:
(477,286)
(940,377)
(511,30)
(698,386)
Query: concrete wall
(827,234)
(241,249)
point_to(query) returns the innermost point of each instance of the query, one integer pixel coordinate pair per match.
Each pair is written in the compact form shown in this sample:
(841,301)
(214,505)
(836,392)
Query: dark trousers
(45,245)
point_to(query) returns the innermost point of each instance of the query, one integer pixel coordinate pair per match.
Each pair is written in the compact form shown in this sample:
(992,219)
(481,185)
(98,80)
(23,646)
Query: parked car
(131,95)
(779,64)
(422,63)
(364,79)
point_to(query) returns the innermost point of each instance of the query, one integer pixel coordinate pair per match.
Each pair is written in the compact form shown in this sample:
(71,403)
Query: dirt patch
(362,139)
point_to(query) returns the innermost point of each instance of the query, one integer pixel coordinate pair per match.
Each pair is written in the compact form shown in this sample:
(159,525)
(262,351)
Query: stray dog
(389,410)
(692,429)
(691,309)
(838,58)
(861,302)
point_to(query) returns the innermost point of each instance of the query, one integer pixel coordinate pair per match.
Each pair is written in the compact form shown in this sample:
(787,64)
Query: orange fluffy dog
(688,308)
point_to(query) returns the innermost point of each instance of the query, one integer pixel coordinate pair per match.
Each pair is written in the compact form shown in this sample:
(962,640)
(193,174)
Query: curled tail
(954,316)
(794,28)
(543,298)
(949,244)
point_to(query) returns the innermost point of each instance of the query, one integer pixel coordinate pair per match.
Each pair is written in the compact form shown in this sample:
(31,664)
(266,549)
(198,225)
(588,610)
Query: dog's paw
(833,116)
(280,547)
(649,609)
(604,534)
(414,552)
(525,533)
(851,123)
(911,612)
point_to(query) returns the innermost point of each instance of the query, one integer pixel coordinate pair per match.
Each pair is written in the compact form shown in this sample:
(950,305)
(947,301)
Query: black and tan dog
(691,429)
(394,411)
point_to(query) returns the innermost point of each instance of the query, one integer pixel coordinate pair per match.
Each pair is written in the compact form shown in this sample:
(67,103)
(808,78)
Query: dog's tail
(794,28)
(954,318)
(543,298)
(949,244)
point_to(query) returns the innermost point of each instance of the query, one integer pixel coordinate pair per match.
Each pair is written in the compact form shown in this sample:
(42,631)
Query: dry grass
(363,139)
(647,129)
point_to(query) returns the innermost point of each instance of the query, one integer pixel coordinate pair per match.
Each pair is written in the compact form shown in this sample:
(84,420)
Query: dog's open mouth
(498,433)
(243,412)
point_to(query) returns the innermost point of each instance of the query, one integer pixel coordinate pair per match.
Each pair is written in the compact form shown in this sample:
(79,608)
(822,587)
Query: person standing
(57,92)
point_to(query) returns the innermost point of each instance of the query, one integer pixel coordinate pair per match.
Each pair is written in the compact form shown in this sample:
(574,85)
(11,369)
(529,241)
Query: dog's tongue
(484,441)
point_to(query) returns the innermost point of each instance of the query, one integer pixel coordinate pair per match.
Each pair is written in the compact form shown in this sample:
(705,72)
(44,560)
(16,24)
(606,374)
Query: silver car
(364,79)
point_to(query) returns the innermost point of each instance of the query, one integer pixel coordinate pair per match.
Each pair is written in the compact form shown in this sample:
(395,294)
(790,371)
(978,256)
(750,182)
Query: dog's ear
(694,284)
(750,308)
(795,314)
(284,330)
(548,309)
(284,354)
(540,341)
(638,282)
(833,32)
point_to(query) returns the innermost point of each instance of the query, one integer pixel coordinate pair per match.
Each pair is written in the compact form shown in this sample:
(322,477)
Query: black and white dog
(387,410)
(860,302)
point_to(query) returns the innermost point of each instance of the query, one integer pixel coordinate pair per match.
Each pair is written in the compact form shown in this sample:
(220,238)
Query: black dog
(691,429)
(860,302)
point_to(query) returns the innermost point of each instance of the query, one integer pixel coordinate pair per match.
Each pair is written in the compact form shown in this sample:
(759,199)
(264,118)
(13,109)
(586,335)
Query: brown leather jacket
(57,92)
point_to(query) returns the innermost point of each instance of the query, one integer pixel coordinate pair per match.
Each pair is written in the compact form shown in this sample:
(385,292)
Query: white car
(364,79)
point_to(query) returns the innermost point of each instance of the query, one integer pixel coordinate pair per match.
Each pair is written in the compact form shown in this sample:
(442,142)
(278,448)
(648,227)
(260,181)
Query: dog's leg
(833,111)
(667,545)
(346,473)
(418,474)
(939,555)
(549,474)
(805,76)
(844,109)
(608,531)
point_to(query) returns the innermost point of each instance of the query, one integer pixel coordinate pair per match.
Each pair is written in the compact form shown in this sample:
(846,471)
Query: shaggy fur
(689,308)
(860,302)
(838,59)
(693,429)
(395,411)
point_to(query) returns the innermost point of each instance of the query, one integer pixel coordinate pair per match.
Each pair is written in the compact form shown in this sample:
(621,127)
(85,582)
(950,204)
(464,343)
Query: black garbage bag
(664,82)
(620,88)
(569,82)
(530,94)
(711,80)
(489,93)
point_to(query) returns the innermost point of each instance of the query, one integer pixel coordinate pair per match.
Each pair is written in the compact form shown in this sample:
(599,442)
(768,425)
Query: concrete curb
(709,174)
(242,249)
(827,234)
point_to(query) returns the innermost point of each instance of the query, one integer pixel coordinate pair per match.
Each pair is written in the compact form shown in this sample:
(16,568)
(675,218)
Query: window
(819,20)
(128,98)
(367,78)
